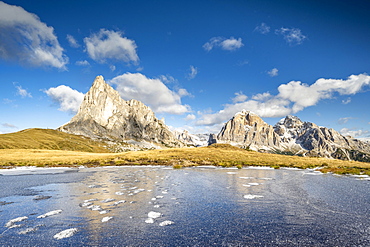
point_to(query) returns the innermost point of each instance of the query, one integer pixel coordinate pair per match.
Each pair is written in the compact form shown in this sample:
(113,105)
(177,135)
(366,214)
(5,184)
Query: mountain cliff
(104,115)
(248,130)
(291,136)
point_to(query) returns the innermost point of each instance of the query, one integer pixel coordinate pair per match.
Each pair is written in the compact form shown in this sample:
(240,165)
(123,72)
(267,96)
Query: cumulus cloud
(274,72)
(72,41)
(262,28)
(68,98)
(27,40)
(293,36)
(190,117)
(230,44)
(23,92)
(111,45)
(353,132)
(292,98)
(193,72)
(239,97)
(83,63)
(152,92)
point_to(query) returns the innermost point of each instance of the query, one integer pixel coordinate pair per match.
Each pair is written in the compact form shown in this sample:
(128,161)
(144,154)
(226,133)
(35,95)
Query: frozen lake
(204,206)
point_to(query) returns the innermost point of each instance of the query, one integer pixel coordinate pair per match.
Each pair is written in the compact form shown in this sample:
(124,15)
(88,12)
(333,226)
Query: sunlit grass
(219,155)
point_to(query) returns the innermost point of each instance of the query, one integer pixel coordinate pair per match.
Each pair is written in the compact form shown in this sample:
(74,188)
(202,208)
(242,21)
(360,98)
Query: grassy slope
(49,139)
(222,155)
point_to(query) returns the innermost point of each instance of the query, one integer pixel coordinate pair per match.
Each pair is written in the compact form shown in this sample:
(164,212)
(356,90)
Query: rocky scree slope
(104,115)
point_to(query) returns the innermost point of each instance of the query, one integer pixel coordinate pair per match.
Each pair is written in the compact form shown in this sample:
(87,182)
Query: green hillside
(49,139)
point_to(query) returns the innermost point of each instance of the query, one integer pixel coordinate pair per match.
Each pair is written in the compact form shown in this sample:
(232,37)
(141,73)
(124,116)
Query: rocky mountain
(291,136)
(197,140)
(248,130)
(104,115)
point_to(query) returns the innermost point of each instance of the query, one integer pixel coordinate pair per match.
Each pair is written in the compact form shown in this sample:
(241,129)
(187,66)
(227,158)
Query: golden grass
(50,140)
(220,155)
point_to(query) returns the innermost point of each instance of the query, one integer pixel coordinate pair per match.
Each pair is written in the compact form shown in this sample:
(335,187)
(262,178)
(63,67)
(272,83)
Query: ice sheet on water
(91,200)
(119,193)
(51,213)
(246,177)
(166,223)
(65,234)
(103,212)
(94,208)
(105,219)
(231,173)
(28,230)
(11,223)
(254,184)
(118,202)
(249,196)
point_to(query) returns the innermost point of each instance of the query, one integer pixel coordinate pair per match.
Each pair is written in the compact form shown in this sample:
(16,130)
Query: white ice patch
(28,230)
(65,234)
(246,177)
(11,223)
(103,212)
(119,202)
(94,208)
(90,200)
(108,200)
(247,185)
(154,215)
(159,197)
(231,173)
(149,221)
(249,196)
(119,193)
(105,219)
(254,184)
(166,223)
(51,213)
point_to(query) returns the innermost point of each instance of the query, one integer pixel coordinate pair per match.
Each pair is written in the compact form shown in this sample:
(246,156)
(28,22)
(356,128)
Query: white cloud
(292,98)
(230,44)
(239,97)
(152,92)
(72,41)
(193,72)
(293,36)
(23,92)
(346,101)
(112,67)
(262,28)
(68,98)
(167,78)
(190,117)
(344,120)
(9,126)
(274,72)
(110,45)
(353,132)
(83,63)
(25,39)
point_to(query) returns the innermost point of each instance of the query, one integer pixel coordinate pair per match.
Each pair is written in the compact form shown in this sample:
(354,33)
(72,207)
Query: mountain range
(131,125)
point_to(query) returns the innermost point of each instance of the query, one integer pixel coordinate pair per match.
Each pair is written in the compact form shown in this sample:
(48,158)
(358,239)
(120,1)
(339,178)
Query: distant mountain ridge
(291,136)
(104,115)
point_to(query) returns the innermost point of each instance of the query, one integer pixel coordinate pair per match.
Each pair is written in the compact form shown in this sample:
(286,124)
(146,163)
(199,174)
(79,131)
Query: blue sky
(195,63)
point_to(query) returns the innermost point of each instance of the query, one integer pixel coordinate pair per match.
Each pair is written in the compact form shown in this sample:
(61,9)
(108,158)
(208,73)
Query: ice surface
(253,184)
(108,200)
(28,230)
(149,221)
(65,234)
(119,193)
(166,223)
(51,213)
(11,223)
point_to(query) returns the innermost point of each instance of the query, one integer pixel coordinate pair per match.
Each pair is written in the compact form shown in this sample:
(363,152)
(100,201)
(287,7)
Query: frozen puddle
(65,234)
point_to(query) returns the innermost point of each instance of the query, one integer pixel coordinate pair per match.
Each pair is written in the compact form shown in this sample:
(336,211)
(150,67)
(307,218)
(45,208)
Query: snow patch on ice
(154,215)
(166,223)
(105,219)
(65,234)
(249,196)
(51,213)
(149,221)
(11,223)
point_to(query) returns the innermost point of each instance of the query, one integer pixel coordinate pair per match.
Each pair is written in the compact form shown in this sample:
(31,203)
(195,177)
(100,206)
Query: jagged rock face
(200,140)
(309,139)
(246,129)
(103,114)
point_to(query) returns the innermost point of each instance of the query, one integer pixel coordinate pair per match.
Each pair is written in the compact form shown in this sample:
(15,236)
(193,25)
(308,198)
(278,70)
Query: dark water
(197,207)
